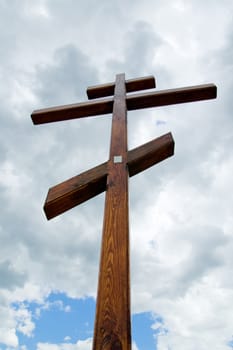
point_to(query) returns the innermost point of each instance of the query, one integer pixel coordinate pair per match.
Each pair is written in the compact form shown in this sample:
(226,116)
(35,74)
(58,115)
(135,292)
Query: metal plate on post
(117,159)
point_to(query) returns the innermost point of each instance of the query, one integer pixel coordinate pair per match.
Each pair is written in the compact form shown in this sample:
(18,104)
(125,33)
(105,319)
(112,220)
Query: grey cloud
(139,52)
(65,79)
(204,255)
(9,277)
(8,10)
(67,51)
(66,149)
(41,157)
(208,244)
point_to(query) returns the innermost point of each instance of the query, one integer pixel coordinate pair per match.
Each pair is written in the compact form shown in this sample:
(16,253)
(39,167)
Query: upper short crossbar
(133,102)
(132,85)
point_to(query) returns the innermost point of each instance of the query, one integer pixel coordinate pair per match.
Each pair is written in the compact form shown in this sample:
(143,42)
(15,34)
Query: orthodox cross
(112,323)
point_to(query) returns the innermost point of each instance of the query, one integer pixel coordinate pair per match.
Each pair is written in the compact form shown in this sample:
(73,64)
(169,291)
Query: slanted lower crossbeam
(90,183)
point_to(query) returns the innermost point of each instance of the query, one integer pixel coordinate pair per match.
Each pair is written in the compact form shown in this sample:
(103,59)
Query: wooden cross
(112,323)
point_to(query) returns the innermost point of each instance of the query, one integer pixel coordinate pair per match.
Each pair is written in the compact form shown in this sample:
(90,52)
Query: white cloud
(80,345)
(181,211)
(67,338)
(8,337)
(58,304)
(134,346)
(39,9)
(194,320)
(24,321)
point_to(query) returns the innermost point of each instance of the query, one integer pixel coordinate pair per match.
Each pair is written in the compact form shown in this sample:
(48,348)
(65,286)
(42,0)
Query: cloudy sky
(180,210)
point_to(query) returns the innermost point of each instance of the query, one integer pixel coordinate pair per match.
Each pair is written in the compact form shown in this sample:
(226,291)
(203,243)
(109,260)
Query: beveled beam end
(75,191)
(171,96)
(151,153)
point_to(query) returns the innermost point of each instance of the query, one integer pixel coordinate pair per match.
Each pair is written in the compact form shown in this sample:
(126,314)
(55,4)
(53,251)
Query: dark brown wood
(112,323)
(72,111)
(75,191)
(151,153)
(132,85)
(134,101)
(89,184)
(171,96)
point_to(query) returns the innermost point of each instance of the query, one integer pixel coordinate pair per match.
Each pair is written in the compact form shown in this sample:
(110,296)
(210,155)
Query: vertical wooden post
(112,322)
(113,325)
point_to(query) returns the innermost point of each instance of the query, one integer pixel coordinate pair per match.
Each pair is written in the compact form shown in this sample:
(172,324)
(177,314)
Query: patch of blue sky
(142,333)
(62,319)
(160,122)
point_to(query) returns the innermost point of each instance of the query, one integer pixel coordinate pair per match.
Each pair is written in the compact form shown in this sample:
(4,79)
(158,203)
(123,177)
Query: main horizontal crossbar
(134,101)
(78,189)
(132,85)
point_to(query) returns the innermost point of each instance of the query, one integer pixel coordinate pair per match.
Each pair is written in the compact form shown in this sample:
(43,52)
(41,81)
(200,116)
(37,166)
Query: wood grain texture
(151,153)
(112,323)
(72,111)
(89,184)
(132,85)
(134,101)
(171,96)
(75,191)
